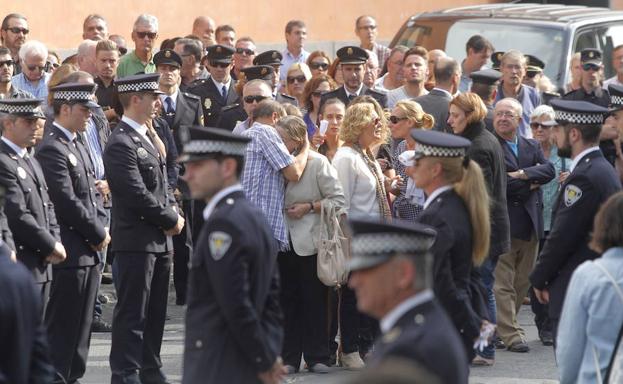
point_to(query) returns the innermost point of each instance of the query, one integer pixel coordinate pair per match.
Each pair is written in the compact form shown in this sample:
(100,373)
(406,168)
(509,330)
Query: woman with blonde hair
(457,206)
(466,117)
(298,75)
(405,116)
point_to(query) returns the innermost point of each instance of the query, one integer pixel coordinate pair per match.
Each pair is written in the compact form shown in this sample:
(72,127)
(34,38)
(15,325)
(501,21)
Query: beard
(565,149)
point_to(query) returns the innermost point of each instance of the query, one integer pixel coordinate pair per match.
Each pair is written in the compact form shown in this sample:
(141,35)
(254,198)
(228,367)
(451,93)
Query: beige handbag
(333,248)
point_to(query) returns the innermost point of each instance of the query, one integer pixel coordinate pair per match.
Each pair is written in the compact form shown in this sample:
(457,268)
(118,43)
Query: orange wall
(58,23)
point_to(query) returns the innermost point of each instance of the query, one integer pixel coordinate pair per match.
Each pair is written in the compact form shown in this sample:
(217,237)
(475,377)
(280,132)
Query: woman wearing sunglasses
(313,91)
(298,75)
(318,63)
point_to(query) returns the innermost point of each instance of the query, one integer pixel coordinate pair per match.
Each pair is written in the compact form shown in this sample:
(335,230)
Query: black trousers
(182,250)
(541,311)
(304,304)
(357,330)
(142,285)
(44,288)
(69,316)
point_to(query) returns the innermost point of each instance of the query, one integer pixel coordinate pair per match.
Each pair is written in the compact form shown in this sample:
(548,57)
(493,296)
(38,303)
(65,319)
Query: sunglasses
(396,119)
(299,79)
(219,65)
(17,30)
(142,35)
(251,99)
(52,65)
(8,63)
(590,66)
(318,93)
(322,66)
(245,51)
(539,125)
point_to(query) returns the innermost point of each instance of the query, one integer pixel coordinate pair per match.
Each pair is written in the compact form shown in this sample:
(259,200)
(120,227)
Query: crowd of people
(454,192)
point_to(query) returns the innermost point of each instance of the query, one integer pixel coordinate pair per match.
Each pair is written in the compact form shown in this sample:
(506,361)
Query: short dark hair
(445,69)
(93,16)
(294,23)
(224,28)
(608,224)
(589,132)
(191,47)
(106,45)
(484,91)
(478,43)
(418,51)
(169,43)
(5,21)
(266,108)
(220,157)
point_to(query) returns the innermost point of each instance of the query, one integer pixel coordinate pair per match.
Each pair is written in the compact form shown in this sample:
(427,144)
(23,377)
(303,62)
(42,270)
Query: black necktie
(351,97)
(224,93)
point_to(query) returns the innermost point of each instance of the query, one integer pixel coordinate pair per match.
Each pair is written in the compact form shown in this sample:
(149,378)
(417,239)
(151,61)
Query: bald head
(86,56)
(204,28)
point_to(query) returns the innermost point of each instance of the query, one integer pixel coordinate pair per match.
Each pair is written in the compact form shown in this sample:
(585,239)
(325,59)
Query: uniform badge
(207,103)
(572,195)
(141,153)
(349,51)
(167,54)
(392,335)
(201,121)
(219,244)
(72,159)
(219,49)
(264,71)
(21,172)
(274,55)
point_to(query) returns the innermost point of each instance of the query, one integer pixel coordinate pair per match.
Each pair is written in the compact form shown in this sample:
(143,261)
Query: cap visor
(365,262)
(355,62)
(91,104)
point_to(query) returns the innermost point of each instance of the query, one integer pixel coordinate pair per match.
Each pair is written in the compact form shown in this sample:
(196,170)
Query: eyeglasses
(299,79)
(370,27)
(142,35)
(510,115)
(219,65)
(51,65)
(539,125)
(321,66)
(318,93)
(17,30)
(39,68)
(245,51)
(8,63)
(590,66)
(251,99)
(396,119)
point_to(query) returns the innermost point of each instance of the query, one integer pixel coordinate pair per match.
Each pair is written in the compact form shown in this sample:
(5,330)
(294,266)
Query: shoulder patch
(219,243)
(229,107)
(572,194)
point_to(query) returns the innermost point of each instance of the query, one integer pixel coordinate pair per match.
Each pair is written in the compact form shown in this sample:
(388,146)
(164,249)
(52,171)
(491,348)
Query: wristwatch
(311,207)
(522,174)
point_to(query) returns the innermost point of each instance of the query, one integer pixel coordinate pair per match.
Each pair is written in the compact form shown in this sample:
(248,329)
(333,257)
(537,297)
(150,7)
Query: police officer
(233,329)
(80,213)
(29,210)
(144,217)
(534,71)
(236,115)
(392,278)
(273,59)
(352,62)
(178,109)
(484,84)
(591,181)
(218,90)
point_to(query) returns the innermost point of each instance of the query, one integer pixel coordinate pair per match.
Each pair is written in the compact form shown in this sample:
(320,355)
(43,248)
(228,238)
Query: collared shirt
(207,211)
(579,157)
(140,129)
(130,64)
(70,135)
(104,93)
(466,82)
(220,85)
(513,145)
(21,152)
(390,319)
(436,193)
(355,94)
(262,181)
(95,149)
(173,97)
(288,60)
(38,90)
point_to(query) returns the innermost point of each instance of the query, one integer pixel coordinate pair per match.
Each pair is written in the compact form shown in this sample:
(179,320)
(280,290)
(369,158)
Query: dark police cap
(201,143)
(616,96)
(352,55)
(485,76)
(374,242)
(438,144)
(262,72)
(268,58)
(591,56)
(534,64)
(27,108)
(578,112)
(144,82)
(496,59)
(168,57)
(220,54)
(75,93)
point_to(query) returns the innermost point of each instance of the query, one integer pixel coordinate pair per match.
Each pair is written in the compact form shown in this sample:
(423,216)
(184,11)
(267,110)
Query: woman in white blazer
(303,296)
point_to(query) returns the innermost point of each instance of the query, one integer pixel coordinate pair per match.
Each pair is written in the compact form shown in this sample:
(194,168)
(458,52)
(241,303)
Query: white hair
(146,19)
(87,48)
(33,48)
(514,103)
(373,56)
(543,110)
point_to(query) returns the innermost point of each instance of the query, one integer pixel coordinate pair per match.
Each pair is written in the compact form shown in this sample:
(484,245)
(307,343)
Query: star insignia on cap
(349,51)
(591,54)
(274,55)
(264,71)
(218,49)
(167,54)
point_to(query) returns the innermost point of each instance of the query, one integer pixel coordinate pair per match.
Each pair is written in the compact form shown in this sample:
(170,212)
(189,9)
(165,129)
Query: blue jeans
(486,272)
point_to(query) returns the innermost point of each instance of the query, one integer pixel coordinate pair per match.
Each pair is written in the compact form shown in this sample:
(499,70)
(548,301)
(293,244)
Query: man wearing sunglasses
(34,78)
(217,91)
(243,56)
(7,90)
(13,35)
(144,35)
(191,51)
(273,59)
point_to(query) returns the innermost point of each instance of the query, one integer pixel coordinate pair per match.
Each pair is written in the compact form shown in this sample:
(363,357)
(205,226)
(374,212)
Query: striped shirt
(92,142)
(262,181)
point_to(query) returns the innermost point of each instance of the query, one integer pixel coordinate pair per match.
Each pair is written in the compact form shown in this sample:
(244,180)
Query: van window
(426,33)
